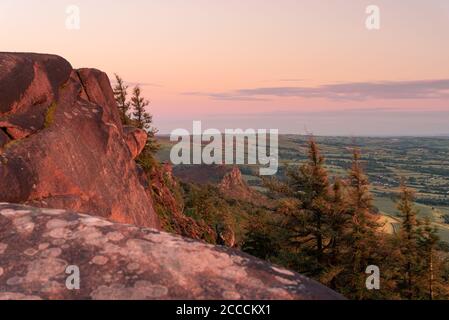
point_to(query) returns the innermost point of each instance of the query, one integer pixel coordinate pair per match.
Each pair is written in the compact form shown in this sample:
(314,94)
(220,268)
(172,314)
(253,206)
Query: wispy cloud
(379,112)
(225,96)
(357,91)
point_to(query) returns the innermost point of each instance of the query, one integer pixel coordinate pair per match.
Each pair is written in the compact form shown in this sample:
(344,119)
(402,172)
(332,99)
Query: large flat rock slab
(118,261)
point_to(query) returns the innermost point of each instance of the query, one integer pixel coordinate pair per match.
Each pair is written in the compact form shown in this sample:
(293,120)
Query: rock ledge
(118,261)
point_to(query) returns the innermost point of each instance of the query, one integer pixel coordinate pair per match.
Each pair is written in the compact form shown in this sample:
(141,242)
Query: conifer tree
(313,189)
(144,120)
(338,220)
(408,237)
(120,95)
(362,238)
(427,244)
(258,240)
(141,117)
(331,232)
(305,207)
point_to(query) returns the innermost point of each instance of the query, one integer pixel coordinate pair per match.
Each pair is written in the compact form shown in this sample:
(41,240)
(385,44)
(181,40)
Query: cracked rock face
(136,140)
(62,144)
(118,261)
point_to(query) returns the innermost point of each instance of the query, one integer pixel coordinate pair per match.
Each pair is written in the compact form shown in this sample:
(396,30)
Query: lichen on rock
(124,262)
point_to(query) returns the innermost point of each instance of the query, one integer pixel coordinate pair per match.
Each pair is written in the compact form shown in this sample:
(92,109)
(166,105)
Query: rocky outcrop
(62,144)
(166,194)
(118,261)
(234,186)
(29,85)
(136,140)
(229,180)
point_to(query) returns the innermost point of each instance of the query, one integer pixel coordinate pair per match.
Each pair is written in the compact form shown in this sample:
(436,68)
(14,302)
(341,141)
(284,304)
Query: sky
(298,66)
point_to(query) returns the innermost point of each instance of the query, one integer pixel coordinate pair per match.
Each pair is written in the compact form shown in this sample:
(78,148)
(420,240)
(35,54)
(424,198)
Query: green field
(388,207)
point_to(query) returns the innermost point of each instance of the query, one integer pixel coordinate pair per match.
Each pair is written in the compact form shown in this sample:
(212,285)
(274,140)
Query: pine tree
(363,236)
(120,94)
(338,220)
(141,117)
(258,239)
(144,120)
(408,237)
(305,207)
(421,263)
(427,245)
(431,280)
(314,193)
